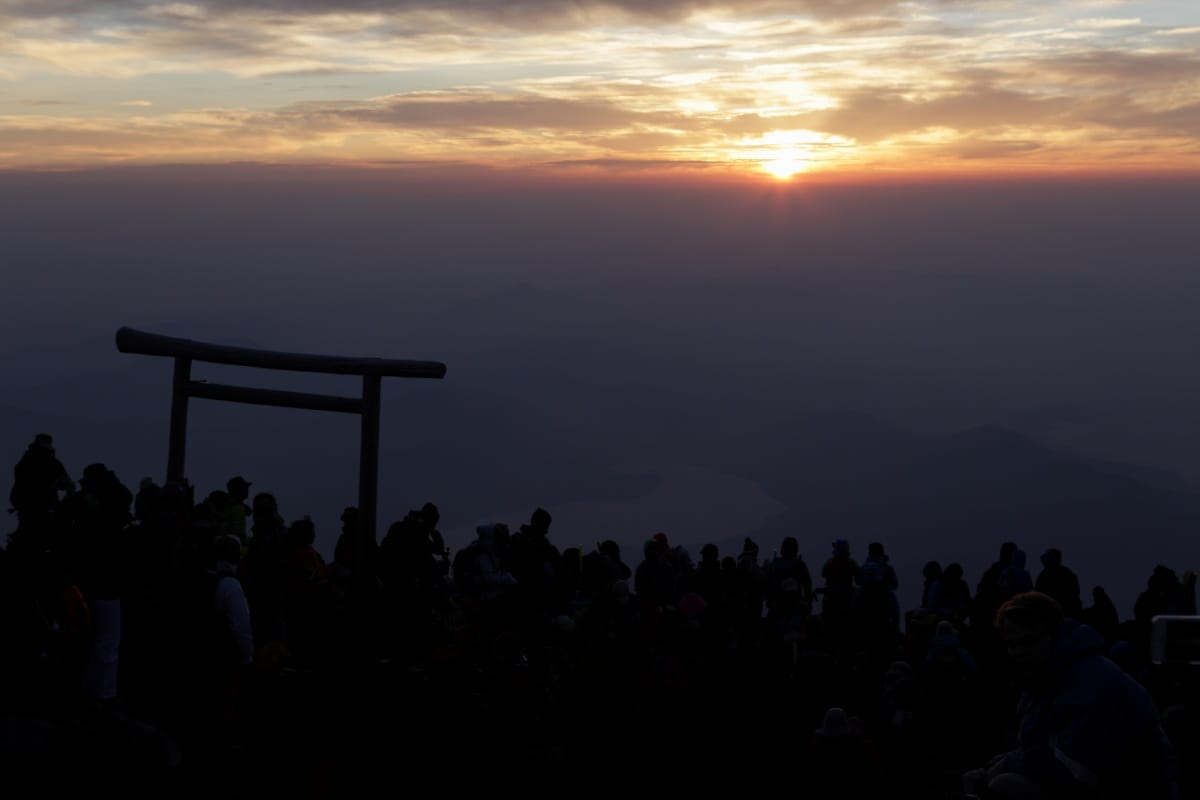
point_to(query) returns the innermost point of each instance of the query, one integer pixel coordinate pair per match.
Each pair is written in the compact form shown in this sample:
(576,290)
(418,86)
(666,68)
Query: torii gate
(372,370)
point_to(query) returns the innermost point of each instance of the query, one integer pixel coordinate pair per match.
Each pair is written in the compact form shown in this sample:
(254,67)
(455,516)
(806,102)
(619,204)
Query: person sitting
(1086,727)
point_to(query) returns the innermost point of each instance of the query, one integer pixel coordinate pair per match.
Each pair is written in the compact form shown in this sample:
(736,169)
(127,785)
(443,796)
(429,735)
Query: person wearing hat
(236,511)
(37,479)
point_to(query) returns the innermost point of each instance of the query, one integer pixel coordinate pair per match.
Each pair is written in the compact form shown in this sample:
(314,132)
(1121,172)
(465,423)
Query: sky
(641,234)
(771,89)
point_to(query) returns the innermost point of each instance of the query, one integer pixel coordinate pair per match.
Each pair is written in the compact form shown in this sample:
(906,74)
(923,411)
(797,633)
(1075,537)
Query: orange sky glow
(774,90)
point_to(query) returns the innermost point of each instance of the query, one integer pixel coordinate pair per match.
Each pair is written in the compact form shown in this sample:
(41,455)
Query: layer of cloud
(861,83)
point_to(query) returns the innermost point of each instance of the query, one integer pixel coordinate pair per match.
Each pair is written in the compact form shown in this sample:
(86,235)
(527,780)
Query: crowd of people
(168,640)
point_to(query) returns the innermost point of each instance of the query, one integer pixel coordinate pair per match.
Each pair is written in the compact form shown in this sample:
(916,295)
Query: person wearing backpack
(476,568)
(876,596)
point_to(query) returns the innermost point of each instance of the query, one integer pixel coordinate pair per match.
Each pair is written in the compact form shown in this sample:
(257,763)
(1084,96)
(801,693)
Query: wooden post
(372,370)
(177,441)
(368,477)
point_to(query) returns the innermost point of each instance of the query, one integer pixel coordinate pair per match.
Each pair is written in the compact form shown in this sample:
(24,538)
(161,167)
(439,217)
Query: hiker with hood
(1086,728)
(1015,579)
(1060,583)
(37,479)
(876,596)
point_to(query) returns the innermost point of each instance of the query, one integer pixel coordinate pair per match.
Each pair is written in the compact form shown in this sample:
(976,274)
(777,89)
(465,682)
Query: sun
(784,165)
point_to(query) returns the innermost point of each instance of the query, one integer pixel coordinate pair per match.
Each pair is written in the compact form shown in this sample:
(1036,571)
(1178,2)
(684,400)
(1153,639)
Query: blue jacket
(1086,724)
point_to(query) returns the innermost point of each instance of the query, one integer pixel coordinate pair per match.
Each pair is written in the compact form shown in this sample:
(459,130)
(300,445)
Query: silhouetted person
(876,598)
(1060,583)
(1014,579)
(535,561)
(987,592)
(951,596)
(145,502)
(238,490)
(99,513)
(1102,615)
(789,564)
(1161,596)
(1086,727)
(840,573)
(930,573)
(654,580)
(602,568)
(37,479)
(264,577)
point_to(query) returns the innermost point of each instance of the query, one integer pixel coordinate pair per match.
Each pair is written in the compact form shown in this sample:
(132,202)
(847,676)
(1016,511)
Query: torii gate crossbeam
(372,370)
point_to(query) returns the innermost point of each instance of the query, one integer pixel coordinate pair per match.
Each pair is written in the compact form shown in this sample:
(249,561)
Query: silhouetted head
(218,499)
(652,549)
(841,548)
(953,572)
(302,532)
(1052,557)
(1163,577)
(790,547)
(661,538)
(709,554)
(1099,595)
(931,571)
(238,488)
(44,442)
(729,563)
(749,546)
(265,503)
(610,549)
(875,550)
(94,476)
(1017,559)
(430,514)
(540,521)
(1006,551)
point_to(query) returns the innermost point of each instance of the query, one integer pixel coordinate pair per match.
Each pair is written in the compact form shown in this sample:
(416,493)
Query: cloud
(137,103)
(870,115)
(469,110)
(512,11)
(1109,22)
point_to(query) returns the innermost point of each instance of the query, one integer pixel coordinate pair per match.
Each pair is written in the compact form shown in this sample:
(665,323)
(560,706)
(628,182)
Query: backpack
(468,577)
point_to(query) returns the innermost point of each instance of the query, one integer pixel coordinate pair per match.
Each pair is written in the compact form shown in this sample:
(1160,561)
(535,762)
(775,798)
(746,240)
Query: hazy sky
(833,86)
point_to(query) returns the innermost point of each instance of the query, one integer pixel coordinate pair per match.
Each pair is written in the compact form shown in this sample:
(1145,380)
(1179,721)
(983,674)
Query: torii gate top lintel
(153,344)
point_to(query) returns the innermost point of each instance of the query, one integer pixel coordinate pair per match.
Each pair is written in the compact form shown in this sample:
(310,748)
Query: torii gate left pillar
(372,370)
